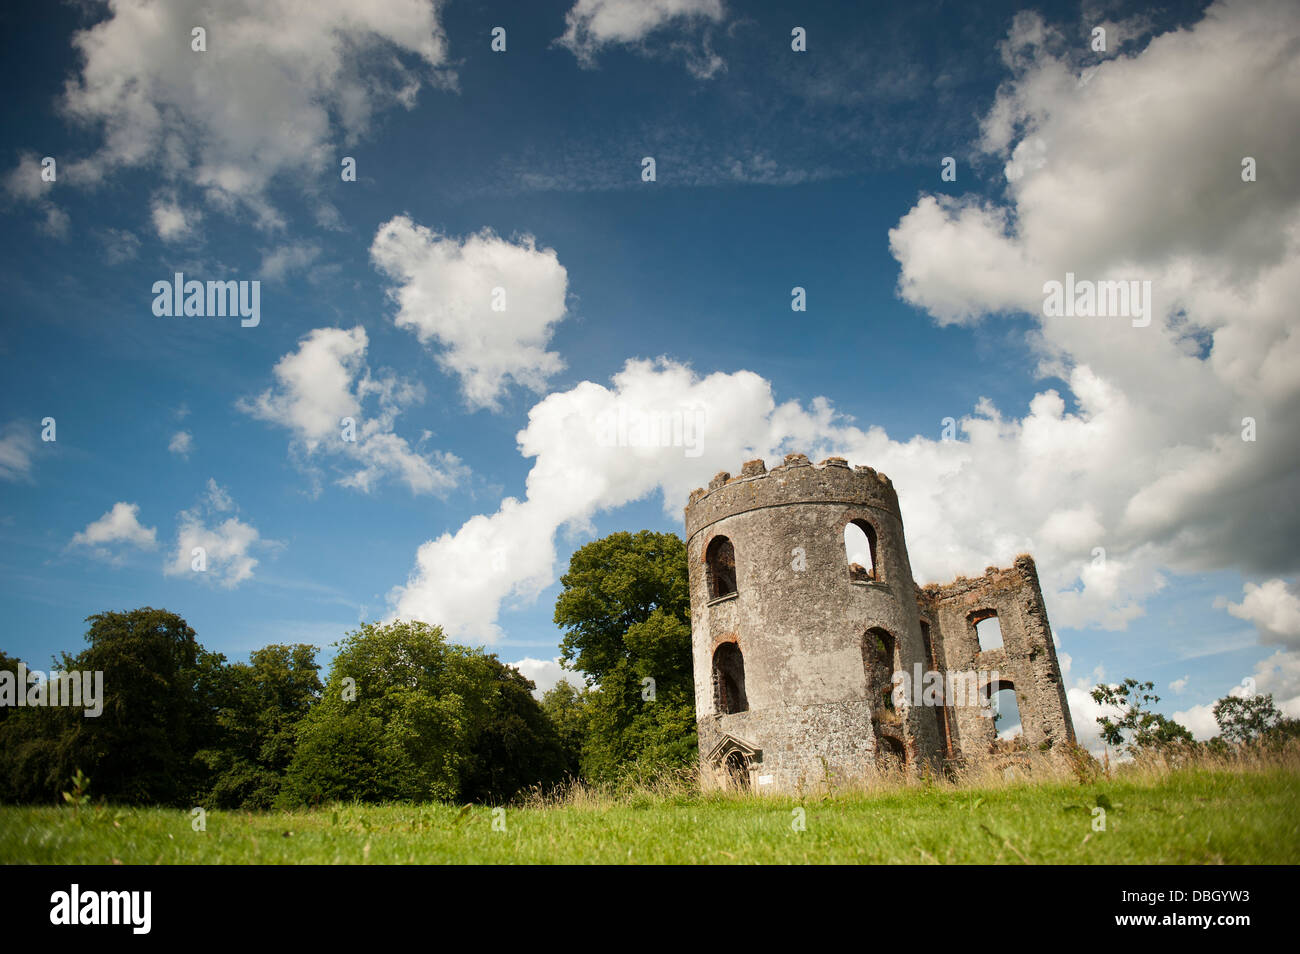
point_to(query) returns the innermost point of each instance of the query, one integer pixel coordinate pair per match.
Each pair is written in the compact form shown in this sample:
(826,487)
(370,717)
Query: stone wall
(1026,662)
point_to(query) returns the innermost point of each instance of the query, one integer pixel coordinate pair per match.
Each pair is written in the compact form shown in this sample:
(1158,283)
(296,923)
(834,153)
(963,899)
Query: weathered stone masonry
(795,650)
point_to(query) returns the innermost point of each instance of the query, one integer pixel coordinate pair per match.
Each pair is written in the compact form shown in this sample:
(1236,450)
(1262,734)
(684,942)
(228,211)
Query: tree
(29,747)
(1136,727)
(569,711)
(162,691)
(625,609)
(1245,720)
(396,719)
(517,747)
(406,715)
(8,664)
(265,699)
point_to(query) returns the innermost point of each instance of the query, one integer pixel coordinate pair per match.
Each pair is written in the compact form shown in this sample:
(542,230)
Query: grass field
(1197,815)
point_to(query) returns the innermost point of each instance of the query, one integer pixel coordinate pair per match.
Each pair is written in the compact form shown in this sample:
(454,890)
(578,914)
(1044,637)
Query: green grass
(1190,816)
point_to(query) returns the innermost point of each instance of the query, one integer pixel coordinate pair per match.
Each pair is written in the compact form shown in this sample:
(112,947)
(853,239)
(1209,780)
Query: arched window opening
(721,560)
(1000,697)
(878,659)
(988,631)
(860,551)
(729,680)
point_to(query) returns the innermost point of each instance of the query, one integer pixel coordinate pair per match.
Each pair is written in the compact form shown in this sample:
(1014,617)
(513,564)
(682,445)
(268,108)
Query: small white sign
(766,779)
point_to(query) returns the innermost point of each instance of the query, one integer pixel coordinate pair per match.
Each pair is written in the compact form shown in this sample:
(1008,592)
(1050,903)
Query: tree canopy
(406,715)
(625,610)
(1136,728)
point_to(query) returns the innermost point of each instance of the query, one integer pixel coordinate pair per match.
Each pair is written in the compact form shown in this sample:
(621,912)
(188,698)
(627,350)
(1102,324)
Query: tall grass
(682,784)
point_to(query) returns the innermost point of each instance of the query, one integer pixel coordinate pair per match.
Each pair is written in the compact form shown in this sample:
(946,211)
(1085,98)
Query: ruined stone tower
(809,664)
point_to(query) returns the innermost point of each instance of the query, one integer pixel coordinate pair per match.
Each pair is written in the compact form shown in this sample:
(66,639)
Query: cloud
(281,261)
(56,222)
(461,580)
(282,86)
(324,385)
(17,445)
(1273,606)
(218,498)
(25,181)
(1278,675)
(120,245)
(592,25)
(1199,720)
(219,553)
(181,444)
(172,222)
(488,304)
(661,429)
(121,525)
(1097,179)
(545,673)
(1178,685)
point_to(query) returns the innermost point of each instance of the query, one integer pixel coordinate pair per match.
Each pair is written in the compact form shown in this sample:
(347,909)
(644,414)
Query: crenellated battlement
(797,480)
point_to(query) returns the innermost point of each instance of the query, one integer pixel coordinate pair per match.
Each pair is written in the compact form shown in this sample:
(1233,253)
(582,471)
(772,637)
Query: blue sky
(522,169)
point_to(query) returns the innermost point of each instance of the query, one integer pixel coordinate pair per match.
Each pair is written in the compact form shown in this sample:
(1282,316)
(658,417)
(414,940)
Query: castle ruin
(813,659)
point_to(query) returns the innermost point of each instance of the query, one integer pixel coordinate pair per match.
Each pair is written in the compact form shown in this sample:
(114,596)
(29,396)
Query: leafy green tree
(162,692)
(1136,728)
(1246,720)
(398,719)
(265,699)
(625,609)
(8,664)
(29,747)
(517,747)
(569,712)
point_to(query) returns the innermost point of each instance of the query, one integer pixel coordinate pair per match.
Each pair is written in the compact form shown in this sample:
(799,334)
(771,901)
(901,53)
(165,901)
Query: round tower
(796,632)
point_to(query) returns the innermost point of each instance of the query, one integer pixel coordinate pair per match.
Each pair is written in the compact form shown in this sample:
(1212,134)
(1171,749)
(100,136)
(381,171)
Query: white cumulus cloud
(280,88)
(324,385)
(171,221)
(487,304)
(1100,179)
(1278,675)
(211,548)
(1273,607)
(120,525)
(1199,720)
